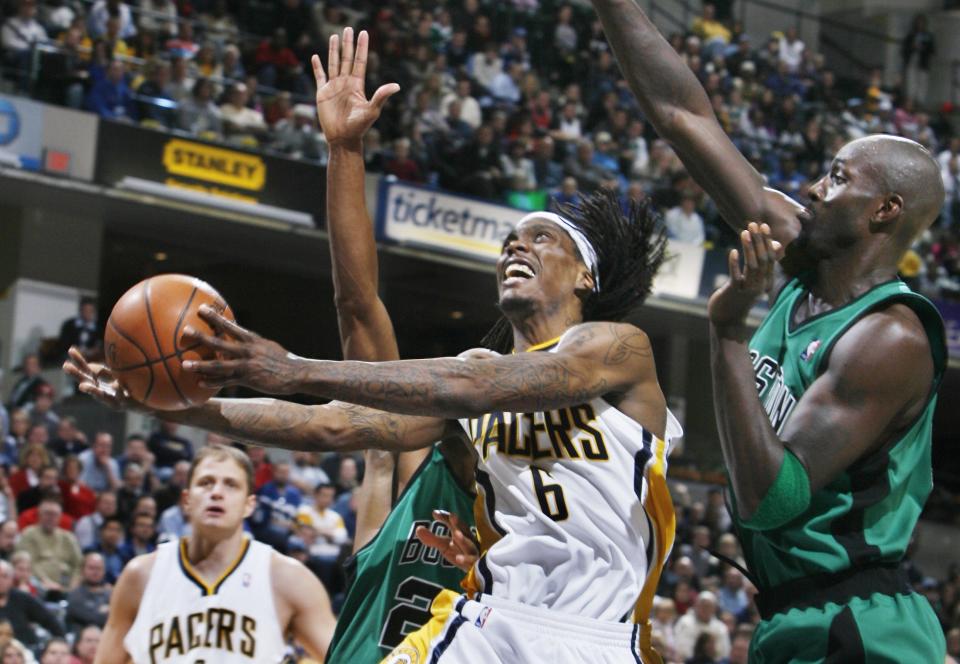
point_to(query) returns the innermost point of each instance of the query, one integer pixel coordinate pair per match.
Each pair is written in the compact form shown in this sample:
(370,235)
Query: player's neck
(841,278)
(210,553)
(543,324)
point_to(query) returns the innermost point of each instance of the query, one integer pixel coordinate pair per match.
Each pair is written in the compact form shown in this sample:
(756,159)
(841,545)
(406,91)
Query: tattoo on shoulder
(626,343)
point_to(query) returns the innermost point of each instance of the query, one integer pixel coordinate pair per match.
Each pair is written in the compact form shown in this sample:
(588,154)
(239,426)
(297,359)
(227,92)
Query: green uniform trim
(786,499)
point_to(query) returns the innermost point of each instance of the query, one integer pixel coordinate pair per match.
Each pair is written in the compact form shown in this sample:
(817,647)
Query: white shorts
(491,630)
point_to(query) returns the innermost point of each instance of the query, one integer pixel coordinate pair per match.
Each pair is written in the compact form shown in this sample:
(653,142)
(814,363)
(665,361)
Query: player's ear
(585,281)
(889,211)
(250,505)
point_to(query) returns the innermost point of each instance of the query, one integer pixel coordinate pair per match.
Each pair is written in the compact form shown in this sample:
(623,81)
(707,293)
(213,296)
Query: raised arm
(366,331)
(877,382)
(678,108)
(591,360)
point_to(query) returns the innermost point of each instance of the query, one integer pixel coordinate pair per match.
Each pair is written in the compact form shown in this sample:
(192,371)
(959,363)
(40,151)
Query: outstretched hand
(243,357)
(731,303)
(459,549)
(344,112)
(99,382)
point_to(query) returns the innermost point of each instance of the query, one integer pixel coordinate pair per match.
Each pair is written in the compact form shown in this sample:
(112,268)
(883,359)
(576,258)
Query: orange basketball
(144,340)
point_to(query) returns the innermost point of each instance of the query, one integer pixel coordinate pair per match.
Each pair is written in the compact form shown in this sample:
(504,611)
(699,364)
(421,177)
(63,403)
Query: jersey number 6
(550,496)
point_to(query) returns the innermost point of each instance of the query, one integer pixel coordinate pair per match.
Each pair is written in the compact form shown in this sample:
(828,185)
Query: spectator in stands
(141,538)
(55,552)
(220,26)
(324,531)
(102,11)
(46,482)
(702,619)
(168,448)
(111,97)
(85,649)
(198,113)
(101,472)
(589,175)
(791,50)
(346,506)
(739,649)
(262,467)
(68,439)
(41,410)
(154,100)
(732,597)
(33,458)
(470,111)
(569,194)
(56,651)
(237,118)
(88,527)
(130,491)
(277,505)
(89,602)
(517,169)
(9,535)
(159,17)
(713,34)
(183,44)
(486,66)
(109,546)
(25,389)
(547,172)
(232,65)
(8,502)
(23,577)
(401,165)
(19,426)
(505,86)
(917,51)
(297,135)
(662,621)
(169,492)
(305,473)
(20,33)
(173,524)
(277,64)
(20,610)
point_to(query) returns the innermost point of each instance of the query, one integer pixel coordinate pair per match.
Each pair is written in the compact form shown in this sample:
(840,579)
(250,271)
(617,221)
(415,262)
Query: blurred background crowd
(519,102)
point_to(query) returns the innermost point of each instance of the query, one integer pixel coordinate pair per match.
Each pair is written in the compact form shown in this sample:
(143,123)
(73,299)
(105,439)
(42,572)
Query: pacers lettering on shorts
(216,629)
(567,433)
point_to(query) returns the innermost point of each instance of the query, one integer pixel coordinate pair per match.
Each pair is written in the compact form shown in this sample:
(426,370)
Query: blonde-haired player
(217,595)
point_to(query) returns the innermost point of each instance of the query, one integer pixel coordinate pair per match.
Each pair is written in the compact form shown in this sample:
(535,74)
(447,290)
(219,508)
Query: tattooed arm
(591,360)
(339,427)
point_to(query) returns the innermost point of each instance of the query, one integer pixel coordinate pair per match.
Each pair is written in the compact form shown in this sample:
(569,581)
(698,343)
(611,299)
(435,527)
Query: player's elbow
(356,307)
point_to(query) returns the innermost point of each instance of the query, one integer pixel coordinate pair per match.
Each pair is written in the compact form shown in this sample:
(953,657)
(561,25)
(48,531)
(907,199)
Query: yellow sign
(203,162)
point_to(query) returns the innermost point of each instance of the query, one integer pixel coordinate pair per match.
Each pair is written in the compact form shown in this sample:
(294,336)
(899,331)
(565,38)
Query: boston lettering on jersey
(218,628)
(567,433)
(777,399)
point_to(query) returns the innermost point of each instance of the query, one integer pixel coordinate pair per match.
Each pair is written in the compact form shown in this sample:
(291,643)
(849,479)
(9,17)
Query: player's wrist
(346,145)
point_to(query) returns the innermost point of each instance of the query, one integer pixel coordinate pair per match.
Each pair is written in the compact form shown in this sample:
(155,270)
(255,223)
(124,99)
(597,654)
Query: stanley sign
(217,165)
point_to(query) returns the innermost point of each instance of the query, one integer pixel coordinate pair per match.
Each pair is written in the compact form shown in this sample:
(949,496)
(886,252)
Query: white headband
(587,252)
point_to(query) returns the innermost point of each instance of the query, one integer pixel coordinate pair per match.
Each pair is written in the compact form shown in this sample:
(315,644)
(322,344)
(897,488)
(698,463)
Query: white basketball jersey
(184,620)
(572,510)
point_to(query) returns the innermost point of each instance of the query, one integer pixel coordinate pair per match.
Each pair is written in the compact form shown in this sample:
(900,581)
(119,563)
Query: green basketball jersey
(394,577)
(867,514)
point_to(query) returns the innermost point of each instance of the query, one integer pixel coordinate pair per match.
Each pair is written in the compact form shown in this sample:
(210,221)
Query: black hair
(324,485)
(631,246)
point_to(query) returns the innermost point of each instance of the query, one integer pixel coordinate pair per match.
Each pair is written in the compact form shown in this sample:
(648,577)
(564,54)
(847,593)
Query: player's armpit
(311,617)
(879,378)
(124,603)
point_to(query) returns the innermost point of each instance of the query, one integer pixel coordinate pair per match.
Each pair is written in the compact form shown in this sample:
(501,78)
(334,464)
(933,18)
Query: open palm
(344,112)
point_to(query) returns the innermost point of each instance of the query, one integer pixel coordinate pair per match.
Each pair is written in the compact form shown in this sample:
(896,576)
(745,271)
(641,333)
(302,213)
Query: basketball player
(571,432)
(392,575)
(829,464)
(215,596)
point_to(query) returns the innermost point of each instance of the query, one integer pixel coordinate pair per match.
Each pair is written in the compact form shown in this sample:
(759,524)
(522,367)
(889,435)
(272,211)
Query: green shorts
(898,629)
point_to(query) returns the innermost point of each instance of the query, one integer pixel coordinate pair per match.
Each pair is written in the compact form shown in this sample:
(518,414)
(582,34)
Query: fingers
(333,56)
(219,344)
(360,58)
(223,325)
(733,264)
(318,72)
(758,241)
(346,56)
(213,373)
(383,93)
(749,253)
(79,362)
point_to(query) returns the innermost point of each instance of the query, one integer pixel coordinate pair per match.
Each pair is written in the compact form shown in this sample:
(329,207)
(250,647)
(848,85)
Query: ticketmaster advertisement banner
(209,170)
(431,219)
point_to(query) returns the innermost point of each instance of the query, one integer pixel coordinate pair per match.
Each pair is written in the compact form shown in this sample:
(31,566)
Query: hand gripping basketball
(243,357)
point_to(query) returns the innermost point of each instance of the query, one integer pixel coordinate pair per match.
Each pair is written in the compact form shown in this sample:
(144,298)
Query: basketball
(144,344)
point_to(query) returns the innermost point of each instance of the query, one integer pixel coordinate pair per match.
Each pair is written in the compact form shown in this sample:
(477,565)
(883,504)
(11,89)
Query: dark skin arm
(876,383)
(366,331)
(677,106)
(591,360)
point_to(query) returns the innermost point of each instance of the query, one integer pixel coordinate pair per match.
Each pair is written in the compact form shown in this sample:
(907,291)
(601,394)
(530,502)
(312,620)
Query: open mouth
(214,511)
(517,272)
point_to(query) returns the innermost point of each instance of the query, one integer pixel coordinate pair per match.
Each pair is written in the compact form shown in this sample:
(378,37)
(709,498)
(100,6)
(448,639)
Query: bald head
(906,169)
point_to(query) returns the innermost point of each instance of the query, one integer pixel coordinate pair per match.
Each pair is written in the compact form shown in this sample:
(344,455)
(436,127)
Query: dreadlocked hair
(630,248)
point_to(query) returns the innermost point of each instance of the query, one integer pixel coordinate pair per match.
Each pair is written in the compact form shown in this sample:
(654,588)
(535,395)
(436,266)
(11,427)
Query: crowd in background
(520,102)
